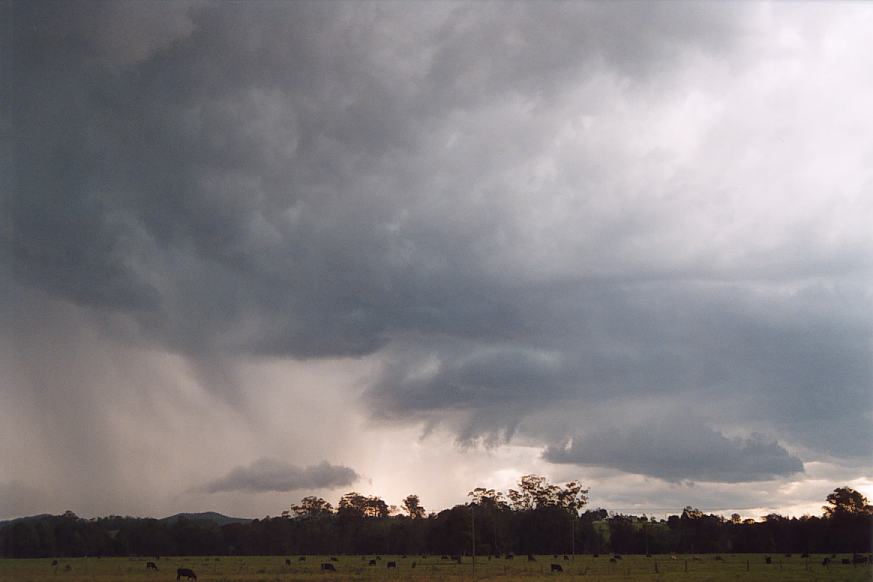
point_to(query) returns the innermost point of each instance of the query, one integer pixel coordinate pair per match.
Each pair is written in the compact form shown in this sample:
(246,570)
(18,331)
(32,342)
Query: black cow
(301,559)
(334,559)
(287,562)
(846,561)
(187,573)
(596,555)
(391,565)
(327,567)
(413,565)
(556,568)
(826,562)
(805,555)
(151,566)
(617,557)
(612,560)
(54,562)
(768,560)
(509,556)
(566,558)
(372,562)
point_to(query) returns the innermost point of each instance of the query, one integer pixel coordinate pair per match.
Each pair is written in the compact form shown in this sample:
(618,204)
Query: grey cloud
(519,209)
(275,475)
(678,448)
(276,179)
(752,355)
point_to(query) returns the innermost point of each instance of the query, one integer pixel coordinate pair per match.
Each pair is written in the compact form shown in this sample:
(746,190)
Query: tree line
(536,518)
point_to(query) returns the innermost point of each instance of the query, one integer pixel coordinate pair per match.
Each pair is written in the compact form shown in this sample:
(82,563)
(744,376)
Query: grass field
(348,568)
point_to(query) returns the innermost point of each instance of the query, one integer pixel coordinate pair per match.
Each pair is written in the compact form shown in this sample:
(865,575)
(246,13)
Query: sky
(257,251)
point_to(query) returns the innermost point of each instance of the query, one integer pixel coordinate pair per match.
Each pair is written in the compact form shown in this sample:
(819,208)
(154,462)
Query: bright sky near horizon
(257,251)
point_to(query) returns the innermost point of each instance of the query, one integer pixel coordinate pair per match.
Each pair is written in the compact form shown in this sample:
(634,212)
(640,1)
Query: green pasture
(584,567)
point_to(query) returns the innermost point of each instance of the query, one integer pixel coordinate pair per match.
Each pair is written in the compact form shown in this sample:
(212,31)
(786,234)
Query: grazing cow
(596,555)
(301,559)
(187,573)
(787,555)
(648,555)
(391,565)
(372,562)
(151,566)
(859,559)
(287,562)
(378,557)
(566,558)
(826,562)
(674,557)
(54,562)
(327,567)
(768,559)
(413,565)
(530,558)
(805,555)
(846,561)
(334,559)
(612,561)
(510,556)
(556,568)
(617,557)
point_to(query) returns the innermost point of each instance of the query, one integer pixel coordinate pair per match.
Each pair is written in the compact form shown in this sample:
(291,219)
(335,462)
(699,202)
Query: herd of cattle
(856,559)
(189,574)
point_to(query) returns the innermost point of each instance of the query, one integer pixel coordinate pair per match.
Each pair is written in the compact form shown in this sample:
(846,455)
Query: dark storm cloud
(679,448)
(276,155)
(274,475)
(312,180)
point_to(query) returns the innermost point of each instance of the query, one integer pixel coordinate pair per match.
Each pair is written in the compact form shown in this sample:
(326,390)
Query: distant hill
(216,518)
(26,518)
(208,516)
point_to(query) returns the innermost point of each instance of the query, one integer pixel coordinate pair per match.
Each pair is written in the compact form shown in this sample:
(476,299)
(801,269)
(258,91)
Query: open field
(274,569)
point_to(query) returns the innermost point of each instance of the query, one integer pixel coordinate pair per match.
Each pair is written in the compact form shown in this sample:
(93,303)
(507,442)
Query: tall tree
(846,501)
(310,506)
(412,505)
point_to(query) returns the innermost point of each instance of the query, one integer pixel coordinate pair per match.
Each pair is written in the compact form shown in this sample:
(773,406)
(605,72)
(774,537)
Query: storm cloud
(275,475)
(678,448)
(527,223)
